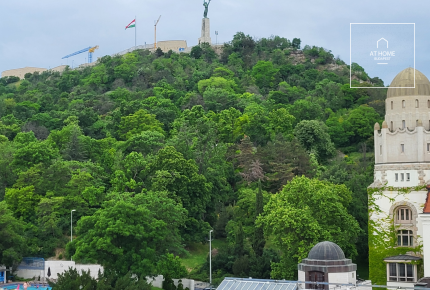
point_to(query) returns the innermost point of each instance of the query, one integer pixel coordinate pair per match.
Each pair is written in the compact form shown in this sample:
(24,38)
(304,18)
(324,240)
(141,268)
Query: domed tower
(326,262)
(402,161)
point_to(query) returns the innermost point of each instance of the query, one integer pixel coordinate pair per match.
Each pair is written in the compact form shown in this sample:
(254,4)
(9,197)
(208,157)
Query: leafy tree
(12,243)
(305,212)
(296,43)
(137,123)
(361,122)
(265,74)
(131,234)
(22,201)
(314,138)
(180,177)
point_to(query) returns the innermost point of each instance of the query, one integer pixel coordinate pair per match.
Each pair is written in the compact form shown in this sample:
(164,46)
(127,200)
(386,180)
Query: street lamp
(210,258)
(71,225)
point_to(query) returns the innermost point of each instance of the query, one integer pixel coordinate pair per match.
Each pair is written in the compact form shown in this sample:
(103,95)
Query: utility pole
(155,33)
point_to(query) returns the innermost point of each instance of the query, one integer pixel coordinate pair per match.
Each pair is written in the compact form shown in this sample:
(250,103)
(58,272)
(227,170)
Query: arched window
(403,104)
(403,215)
(392,105)
(417,103)
(428,103)
(403,124)
(392,125)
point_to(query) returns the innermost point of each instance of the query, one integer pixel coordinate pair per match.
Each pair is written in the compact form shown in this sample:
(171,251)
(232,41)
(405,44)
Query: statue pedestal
(206,31)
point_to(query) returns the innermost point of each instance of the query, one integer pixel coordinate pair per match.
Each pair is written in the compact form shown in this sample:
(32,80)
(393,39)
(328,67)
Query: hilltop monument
(206,27)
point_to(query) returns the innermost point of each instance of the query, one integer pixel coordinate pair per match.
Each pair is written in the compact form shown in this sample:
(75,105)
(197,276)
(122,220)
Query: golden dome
(406,79)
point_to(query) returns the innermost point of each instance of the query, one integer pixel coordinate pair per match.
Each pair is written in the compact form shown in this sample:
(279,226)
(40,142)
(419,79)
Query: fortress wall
(20,72)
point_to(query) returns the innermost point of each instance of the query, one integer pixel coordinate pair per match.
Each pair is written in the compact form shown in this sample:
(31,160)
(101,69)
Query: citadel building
(398,208)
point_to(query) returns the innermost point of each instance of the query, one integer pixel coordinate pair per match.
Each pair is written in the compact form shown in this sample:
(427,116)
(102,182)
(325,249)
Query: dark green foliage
(258,239)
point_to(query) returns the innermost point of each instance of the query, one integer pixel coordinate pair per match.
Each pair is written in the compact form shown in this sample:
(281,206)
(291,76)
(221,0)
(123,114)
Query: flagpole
(135,33)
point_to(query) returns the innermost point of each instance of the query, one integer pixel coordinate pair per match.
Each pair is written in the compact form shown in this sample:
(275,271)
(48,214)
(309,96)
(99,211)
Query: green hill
(153,150)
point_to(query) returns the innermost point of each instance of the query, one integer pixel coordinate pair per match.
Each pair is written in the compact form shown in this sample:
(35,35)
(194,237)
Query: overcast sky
(40,32)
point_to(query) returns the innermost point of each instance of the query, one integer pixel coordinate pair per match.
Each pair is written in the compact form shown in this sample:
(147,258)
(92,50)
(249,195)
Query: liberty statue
(206,4)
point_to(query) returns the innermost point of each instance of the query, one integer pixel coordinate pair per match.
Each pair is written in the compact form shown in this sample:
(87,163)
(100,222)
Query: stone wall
(20,72)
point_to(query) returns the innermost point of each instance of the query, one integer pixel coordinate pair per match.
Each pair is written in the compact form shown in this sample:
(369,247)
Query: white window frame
(395,276)
(401,234)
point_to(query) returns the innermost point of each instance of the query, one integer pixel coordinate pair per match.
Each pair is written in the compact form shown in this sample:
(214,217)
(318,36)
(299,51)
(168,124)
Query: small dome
(384,124)
(405,78)
(377,127)
(326,251)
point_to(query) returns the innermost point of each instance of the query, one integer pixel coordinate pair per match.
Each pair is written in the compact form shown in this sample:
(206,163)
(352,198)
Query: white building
(402,161)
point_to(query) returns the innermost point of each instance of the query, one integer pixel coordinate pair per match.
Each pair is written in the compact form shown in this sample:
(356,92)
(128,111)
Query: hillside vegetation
(266,144)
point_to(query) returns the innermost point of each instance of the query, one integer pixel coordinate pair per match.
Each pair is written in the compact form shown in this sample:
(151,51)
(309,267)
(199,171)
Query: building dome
(326,251)
(406,79)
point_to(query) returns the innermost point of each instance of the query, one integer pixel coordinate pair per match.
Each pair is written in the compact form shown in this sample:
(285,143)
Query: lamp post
(210,258)
(71,227)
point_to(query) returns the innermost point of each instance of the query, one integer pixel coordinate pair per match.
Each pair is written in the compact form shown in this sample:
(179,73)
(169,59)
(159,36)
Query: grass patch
(16,84)
(198,253)
(154,288)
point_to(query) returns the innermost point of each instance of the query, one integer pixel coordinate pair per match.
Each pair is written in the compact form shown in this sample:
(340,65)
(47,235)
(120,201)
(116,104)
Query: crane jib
(78,52)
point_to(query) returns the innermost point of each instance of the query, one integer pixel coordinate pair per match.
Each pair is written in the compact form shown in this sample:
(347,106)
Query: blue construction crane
(90,53)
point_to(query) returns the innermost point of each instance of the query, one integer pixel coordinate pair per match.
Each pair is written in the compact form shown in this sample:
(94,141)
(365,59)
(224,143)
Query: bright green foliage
(12,242)
(216,83)
(172,172)
(314,138)
(22,201)
(137,123)
(171,266)
(130,234)
(304,213)
(265,74)
(361,121)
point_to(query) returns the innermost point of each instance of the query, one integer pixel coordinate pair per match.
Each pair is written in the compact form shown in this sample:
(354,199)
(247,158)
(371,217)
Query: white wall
(58,267)
(158,282)
(343,278)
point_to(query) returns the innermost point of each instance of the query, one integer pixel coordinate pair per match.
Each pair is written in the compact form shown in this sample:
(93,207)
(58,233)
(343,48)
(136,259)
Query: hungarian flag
(132,24)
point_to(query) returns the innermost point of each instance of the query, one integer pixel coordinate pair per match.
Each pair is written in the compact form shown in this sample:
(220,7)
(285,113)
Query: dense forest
(265,143)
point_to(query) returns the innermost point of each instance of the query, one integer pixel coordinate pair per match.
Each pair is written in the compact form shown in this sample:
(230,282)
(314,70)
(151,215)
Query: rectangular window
(403,124)
(401,272)
(397,177)
(402,177)
(391,105)
(393,271)
(410,272)
(428,147)
(380,149)
(402,147)
(408,177)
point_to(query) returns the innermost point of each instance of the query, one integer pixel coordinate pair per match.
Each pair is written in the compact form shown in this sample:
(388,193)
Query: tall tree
(12,242)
